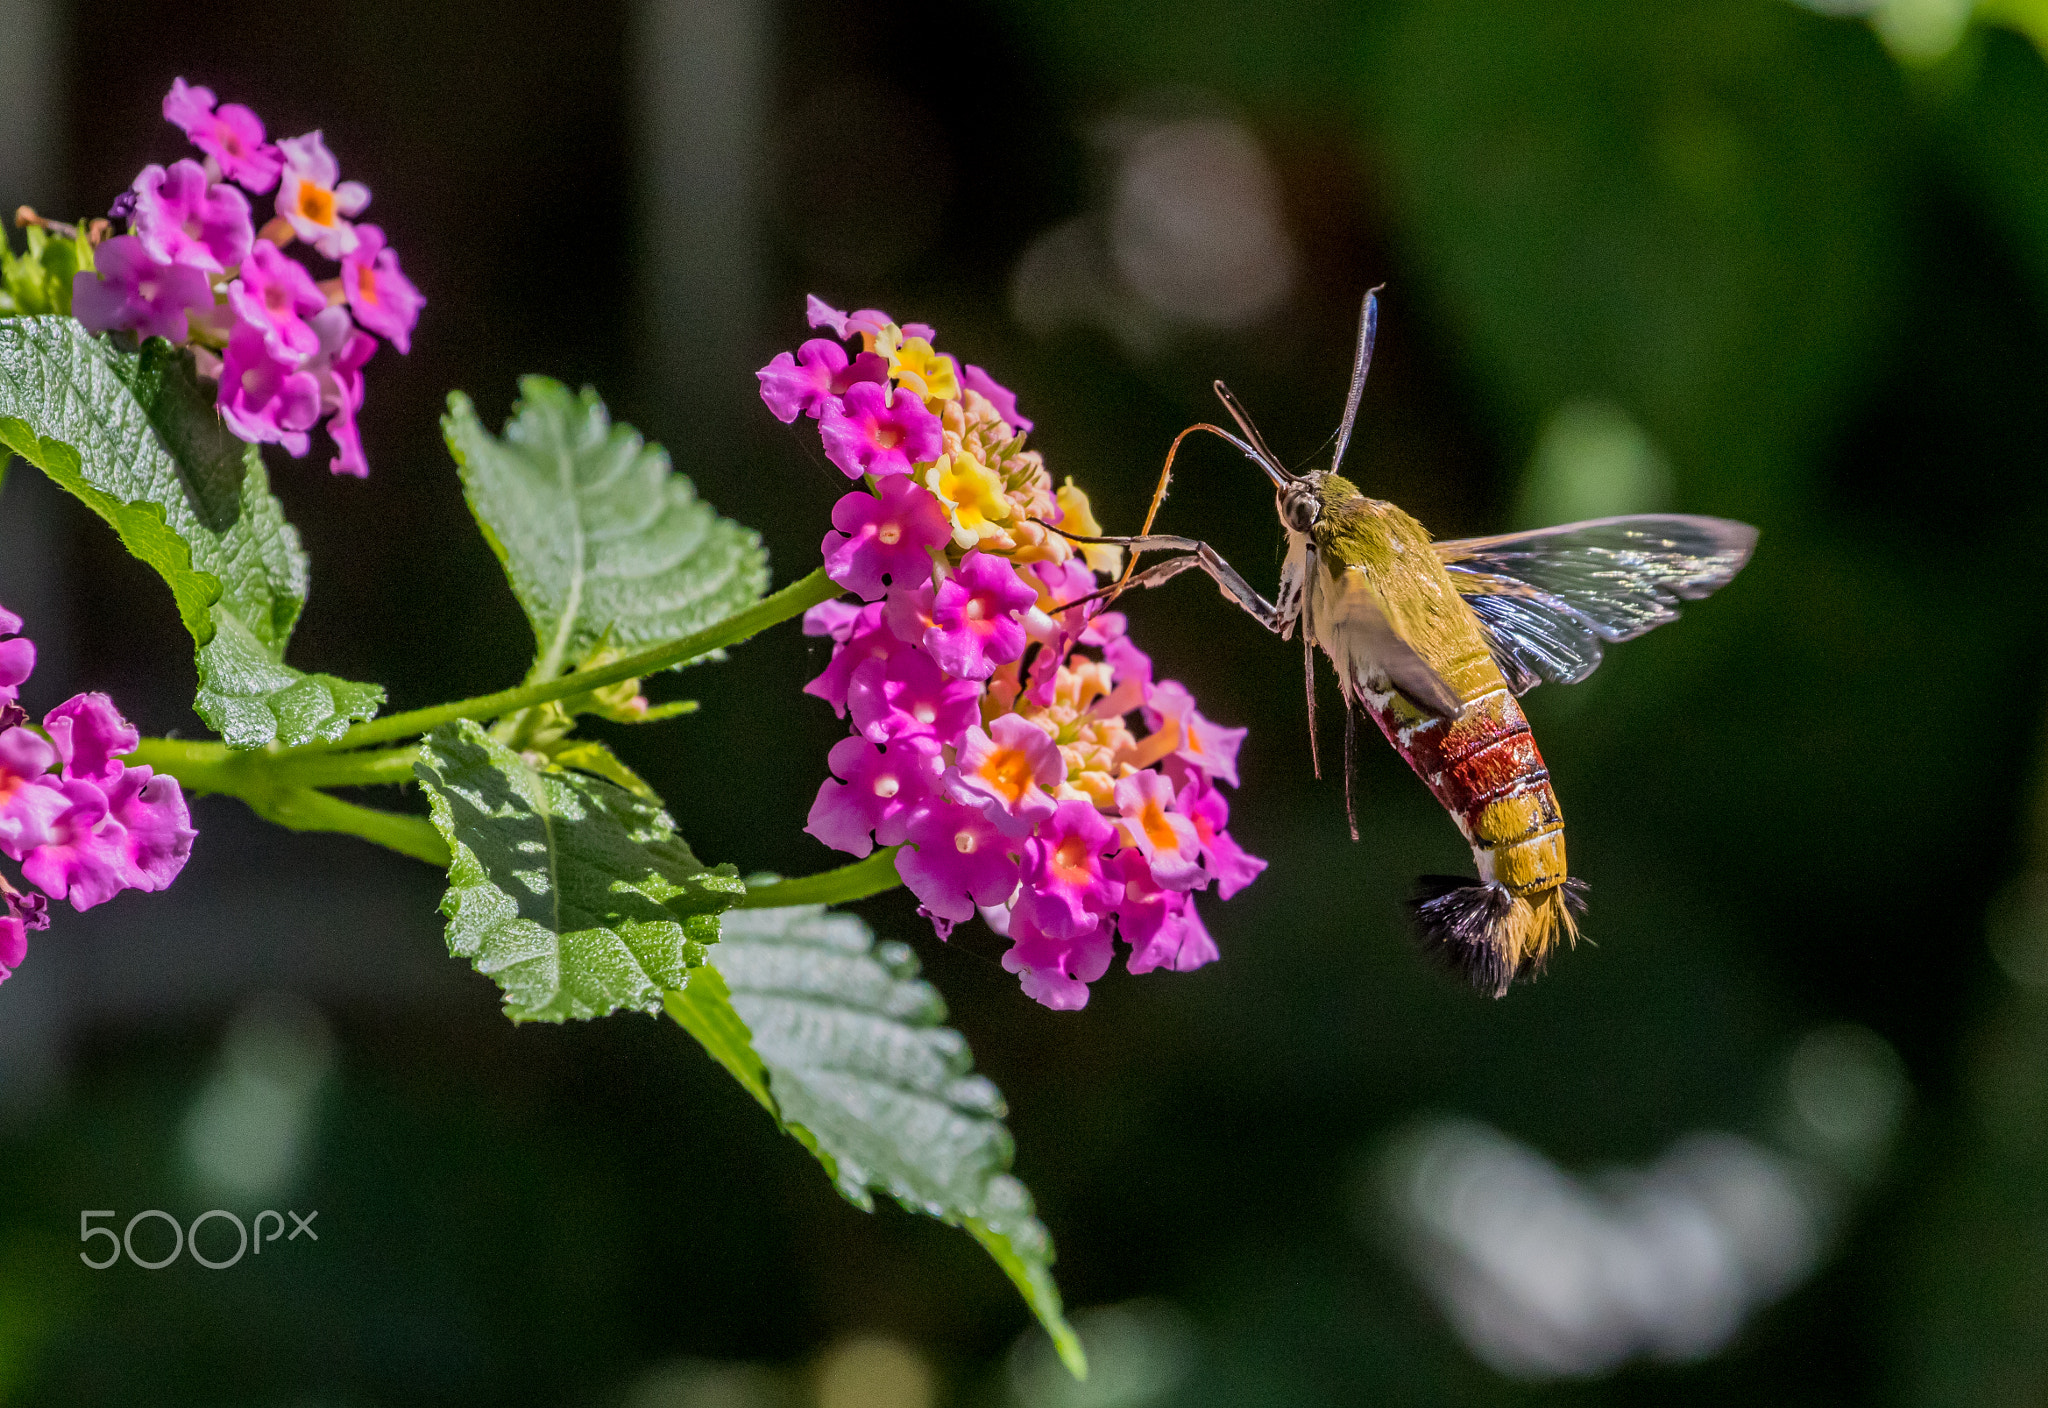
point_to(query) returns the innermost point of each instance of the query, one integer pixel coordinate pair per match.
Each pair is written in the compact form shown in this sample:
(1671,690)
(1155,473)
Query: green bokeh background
(1809,274)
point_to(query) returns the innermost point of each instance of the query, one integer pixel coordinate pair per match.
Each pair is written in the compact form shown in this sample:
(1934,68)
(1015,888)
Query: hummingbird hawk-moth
(1436,640)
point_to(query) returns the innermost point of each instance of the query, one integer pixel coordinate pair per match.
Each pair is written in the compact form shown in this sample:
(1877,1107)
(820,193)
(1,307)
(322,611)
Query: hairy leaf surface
(838,1036)
(575,896)
(134,436)
(606,546)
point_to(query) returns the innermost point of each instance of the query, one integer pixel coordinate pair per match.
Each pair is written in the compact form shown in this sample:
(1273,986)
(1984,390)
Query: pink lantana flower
(1008,772)
(312,198)
(379,294)
(881,790)
(152,828)
(1210,747)
(1069,886)
(999,396)
(866,639)
(958,861)
(276,296)
(907,695)
(1228,863)
(265,400)
(1161,925)
(908,611)
(1056,972)
(20,915)
(80,856)
(821,314)
(889,533)
(832,618)
(183,218)
(338,368)
(865,433)
(974,616)
(91,737)
(232,135)
(1166,839)
(819,372)
(17,657)
(29,799)
(133,292)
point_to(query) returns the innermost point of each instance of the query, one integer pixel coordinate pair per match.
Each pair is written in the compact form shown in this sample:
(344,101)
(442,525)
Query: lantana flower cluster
(1015,746)
(83,825)
(194,266)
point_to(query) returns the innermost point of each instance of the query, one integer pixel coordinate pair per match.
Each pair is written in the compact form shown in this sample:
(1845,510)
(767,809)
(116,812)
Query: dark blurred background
(1780,1134)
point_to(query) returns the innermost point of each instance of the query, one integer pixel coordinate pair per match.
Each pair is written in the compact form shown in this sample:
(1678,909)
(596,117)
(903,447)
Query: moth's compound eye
(1298,509)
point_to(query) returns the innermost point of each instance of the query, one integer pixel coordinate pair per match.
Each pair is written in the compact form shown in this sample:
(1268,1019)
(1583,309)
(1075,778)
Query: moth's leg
(1308,671)
(1350,761)
(1198,554)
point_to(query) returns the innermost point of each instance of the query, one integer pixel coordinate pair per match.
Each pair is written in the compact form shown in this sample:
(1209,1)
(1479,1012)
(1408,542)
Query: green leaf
(839,1038)
(606,546)
(39,281)
(134,436)
(575,896)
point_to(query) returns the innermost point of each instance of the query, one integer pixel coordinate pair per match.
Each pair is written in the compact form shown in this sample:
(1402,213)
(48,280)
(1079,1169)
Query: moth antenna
(1368,327)
(1262,456)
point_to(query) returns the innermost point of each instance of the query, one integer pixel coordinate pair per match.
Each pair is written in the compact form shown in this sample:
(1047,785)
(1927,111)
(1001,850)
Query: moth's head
(1300,502)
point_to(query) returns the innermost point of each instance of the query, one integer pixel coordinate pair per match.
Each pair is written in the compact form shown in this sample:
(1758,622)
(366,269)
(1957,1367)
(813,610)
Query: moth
(1436,641)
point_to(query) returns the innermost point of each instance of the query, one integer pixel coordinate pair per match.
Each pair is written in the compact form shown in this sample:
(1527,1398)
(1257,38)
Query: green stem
(792,600)
(276,788)
(303,809)
(849,882)
(280,787)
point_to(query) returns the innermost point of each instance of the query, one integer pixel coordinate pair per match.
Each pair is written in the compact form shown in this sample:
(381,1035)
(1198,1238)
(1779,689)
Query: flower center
(316,204)
(1009,771)
(1070,861)
(886,786)
(275,299)
(976,608)
(965,842)
(924,713)
(252,382)
(366,284)
(890,535)
(147,289)
(1156,829)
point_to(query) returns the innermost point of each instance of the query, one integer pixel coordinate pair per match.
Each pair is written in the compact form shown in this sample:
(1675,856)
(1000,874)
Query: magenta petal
(884,536)
(957,860)
(907,696)
(882,789)
(17,663)
(81,858)
(379,294)
(866,433)
(156,825)
(974,615)
(91,737)
(1068,885)
(1003,399)
(1056,972)
(1180,944)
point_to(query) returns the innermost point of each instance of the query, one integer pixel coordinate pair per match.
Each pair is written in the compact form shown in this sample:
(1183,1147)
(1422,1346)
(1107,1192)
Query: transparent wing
(1551,599)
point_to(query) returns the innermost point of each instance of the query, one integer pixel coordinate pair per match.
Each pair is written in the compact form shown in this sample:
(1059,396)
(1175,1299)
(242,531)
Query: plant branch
(849,882)
(275,785)
(792,600)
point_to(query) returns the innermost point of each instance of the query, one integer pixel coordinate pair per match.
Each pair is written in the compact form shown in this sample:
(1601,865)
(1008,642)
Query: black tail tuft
(1462,923)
